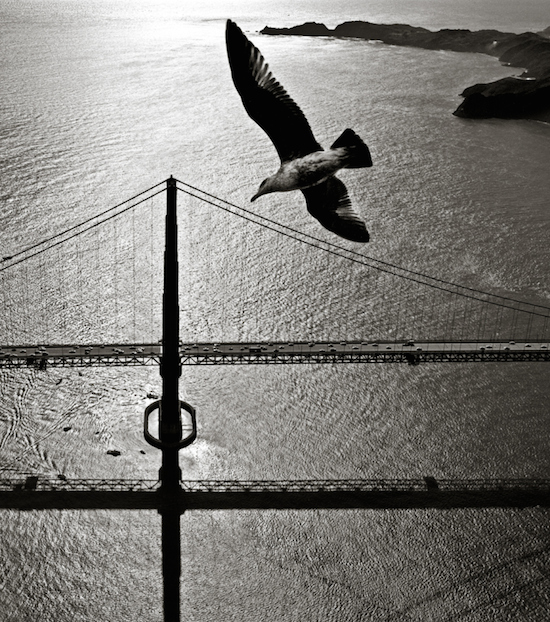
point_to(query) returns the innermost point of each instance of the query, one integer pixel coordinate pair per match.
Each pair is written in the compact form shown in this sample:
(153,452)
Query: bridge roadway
(275,352)
(37,493)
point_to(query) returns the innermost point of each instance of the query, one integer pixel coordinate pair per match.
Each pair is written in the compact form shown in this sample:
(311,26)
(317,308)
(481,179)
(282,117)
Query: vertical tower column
(170,430)
(170,409)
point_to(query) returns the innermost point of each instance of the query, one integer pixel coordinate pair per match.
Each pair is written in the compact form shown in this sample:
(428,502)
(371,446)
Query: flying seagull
(305,165)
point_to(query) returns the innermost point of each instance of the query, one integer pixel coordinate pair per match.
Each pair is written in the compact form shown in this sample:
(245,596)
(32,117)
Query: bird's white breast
(309,170)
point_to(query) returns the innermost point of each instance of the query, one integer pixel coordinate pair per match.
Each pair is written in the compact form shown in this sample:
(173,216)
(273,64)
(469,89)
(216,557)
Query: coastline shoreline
(526,96)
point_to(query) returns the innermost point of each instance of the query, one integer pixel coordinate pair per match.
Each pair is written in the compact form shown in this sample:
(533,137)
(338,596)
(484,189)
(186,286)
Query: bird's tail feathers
(357,153)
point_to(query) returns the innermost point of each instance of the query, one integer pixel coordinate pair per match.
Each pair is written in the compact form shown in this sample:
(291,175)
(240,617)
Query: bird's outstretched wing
(265,100)
(330,204)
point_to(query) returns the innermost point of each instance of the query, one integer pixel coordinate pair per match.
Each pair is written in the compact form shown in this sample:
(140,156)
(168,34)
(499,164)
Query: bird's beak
(263,189)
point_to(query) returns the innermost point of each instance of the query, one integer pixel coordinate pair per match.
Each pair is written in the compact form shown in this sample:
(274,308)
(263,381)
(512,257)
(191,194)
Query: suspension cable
(110,209)
(74,233)
(337,250)
(267,223)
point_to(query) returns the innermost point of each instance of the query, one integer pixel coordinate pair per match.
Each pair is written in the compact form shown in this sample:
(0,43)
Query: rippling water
(101,100)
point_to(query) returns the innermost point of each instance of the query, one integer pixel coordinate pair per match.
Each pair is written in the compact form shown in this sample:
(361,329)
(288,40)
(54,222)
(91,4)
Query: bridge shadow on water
(33,493)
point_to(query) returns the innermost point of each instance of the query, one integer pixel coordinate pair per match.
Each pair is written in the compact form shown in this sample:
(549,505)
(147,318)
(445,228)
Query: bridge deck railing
(39,484)
(239,353)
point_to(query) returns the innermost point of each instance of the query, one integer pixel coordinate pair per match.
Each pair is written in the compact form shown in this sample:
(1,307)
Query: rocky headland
(524,97)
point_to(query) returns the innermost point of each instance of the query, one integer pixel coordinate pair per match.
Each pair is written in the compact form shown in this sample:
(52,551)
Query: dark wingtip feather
(329,203)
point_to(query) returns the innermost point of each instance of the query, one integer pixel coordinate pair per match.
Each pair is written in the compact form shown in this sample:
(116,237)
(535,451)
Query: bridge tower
(170,411)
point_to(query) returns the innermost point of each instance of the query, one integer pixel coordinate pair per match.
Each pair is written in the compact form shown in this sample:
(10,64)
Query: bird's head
(265,187)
